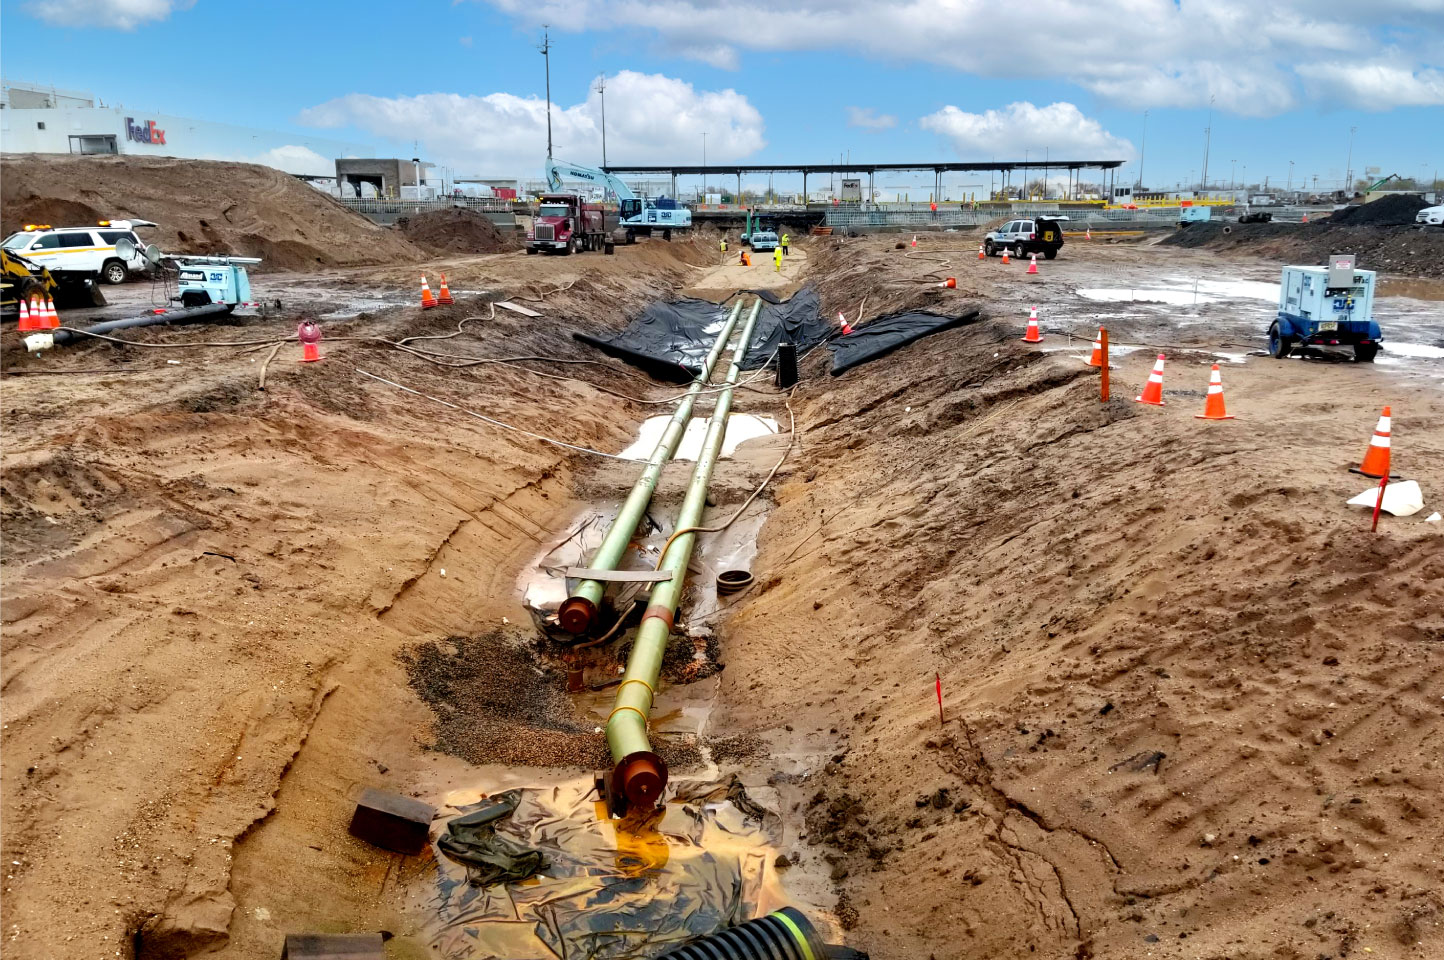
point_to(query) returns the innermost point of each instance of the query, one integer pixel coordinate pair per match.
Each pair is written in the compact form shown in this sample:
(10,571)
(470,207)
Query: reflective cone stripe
(427,300)
(1033,263)
(1033,336)
(26,324)
(1213,404)
(1097,359)
(444,294)
(1376,460)
(1153,390)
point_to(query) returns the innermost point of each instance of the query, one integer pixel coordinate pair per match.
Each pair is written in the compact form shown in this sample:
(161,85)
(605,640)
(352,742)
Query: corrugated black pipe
(149,320)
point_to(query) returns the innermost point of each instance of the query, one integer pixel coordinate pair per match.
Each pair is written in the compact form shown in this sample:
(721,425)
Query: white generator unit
(1329,306)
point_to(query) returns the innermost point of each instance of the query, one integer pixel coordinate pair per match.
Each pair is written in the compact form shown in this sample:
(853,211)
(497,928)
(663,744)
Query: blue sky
(802,81)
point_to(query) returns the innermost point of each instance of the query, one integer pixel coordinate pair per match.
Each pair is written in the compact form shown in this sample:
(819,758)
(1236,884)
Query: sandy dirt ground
(1191,706)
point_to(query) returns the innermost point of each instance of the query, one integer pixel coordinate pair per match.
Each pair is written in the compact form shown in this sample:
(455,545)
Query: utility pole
(546,52)
(1143,150)
(1349,166)
(1232,169)
(704,165)
(1207,141)
(602,89)
(1291,177)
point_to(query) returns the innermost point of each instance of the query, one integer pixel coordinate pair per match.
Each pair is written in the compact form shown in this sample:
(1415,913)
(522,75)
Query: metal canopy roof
(811,168)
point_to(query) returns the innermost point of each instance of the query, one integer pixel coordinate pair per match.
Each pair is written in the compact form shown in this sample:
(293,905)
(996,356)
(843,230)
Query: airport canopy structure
(1005,167)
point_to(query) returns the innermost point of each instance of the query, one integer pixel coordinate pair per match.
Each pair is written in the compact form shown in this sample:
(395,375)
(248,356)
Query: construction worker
(744,260)
(786,239)
(777,258)
(724,248)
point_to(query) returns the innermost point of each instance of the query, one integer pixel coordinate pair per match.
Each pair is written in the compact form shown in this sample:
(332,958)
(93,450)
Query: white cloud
(1367,85)
(869,119)
(1138,53)
(648,116)
(1059,128)
(112,14)
(294,158)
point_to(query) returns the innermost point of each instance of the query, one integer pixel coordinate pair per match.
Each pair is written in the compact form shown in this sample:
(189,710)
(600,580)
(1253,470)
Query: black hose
(783,935)
(64,335)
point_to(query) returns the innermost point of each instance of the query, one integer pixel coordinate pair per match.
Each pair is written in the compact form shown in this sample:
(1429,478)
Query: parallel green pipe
(578,613)
(639,774)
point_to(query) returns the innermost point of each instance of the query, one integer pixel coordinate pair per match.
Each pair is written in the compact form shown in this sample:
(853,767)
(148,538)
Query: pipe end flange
(576,615)
(640,777)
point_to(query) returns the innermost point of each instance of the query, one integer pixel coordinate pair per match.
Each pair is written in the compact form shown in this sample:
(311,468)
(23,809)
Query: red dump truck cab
(566,223)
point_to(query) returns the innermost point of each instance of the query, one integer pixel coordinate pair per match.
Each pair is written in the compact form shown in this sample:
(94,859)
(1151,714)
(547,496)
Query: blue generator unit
(1323,307)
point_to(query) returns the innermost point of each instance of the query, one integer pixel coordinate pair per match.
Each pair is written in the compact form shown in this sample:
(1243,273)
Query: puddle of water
(741,427)
(1414,289)
(1231,357)
(1419,351)
(696,865)
(1187,292)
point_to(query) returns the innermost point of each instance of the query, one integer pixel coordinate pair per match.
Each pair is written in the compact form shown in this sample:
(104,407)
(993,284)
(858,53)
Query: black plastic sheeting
(670,340)
(886,334)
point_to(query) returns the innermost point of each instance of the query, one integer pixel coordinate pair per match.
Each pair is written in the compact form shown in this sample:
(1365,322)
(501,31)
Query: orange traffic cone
(1033,336)
(1005,256)
(1213,404)
(951,283)
(27,323)
(1306,218)
(1033,263)
(1376,460)
(1153,390)
(915,239)
(52,319)
(427,300)
(309,333)
(846,327)
(1097,359)
(444,295)
(981,254)
(1087,233)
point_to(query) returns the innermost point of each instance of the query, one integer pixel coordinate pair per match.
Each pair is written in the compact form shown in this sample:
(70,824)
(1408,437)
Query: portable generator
(1323,307)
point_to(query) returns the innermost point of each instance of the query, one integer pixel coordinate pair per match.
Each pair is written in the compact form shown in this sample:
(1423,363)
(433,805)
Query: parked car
(1041,235)
(1432,216)
(88,251)
(763,241)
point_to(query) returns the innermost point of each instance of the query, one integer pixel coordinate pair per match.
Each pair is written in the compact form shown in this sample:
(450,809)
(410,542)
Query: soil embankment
(457,230)
(1381,234)
(200,206)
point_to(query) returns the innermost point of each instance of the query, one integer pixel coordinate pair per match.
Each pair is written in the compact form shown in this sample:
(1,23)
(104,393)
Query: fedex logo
(147,132)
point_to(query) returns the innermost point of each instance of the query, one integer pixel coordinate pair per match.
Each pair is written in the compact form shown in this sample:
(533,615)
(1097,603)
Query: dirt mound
(1406,250)
(456,230)
(1396,210)
(201,206)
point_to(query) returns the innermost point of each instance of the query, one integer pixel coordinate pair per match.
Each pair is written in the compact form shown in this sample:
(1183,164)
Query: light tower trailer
(1331,306)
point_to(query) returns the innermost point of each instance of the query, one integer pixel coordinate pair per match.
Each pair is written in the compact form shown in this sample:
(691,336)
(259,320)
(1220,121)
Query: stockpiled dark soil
(1397,210)
(200,206)
(1397,249)
(456,230)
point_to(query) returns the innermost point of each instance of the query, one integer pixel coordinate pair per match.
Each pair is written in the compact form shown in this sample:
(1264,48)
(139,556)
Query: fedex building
(40,119)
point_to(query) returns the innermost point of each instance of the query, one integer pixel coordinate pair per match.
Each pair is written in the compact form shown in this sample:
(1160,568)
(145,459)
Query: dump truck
(567,223)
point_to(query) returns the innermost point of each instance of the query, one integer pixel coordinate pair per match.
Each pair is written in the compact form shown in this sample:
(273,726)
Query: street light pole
(1143,150)
(602,89)
(1349,166)
(704,165)
(546,51)
(1207,141)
